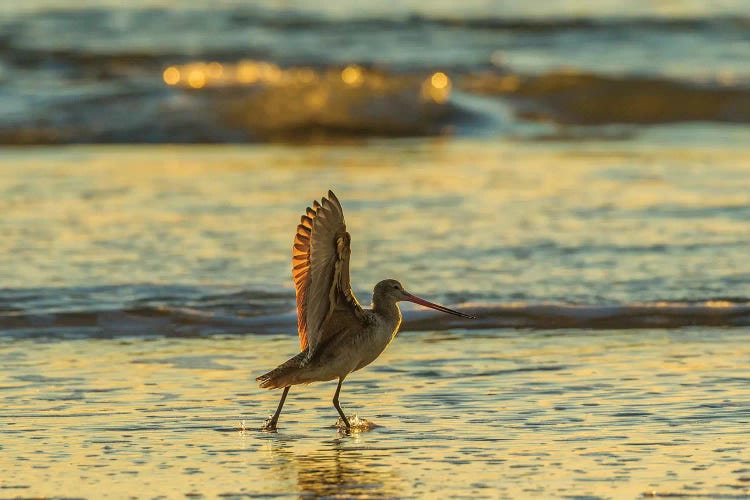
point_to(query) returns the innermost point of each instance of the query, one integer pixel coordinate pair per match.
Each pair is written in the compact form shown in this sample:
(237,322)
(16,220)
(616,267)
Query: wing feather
(320,267)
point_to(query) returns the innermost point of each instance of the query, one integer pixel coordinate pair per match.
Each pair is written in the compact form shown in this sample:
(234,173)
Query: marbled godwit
(337,336)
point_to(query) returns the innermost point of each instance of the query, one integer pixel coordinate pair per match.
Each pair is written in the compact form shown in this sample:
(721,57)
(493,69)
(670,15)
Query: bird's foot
(342,424)
(355,424)
(269,425)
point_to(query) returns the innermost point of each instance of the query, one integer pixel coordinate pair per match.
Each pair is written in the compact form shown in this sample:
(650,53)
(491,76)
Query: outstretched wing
(320,266)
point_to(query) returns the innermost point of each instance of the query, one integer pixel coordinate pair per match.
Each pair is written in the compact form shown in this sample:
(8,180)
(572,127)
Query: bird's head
(391,290)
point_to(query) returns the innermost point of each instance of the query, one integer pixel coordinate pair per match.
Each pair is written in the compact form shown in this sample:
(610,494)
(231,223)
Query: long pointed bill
(422,302)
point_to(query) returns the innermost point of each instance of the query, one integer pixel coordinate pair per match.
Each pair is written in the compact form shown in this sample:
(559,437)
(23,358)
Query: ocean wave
(294,103)
(167,321)
(580,98)
(255,75)
(358,102)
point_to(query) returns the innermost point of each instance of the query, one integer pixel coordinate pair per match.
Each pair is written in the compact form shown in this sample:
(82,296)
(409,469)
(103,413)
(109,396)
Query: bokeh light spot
(352,75)
(171,75)
(440,80)
(247,72)
(197,79)
(215,70)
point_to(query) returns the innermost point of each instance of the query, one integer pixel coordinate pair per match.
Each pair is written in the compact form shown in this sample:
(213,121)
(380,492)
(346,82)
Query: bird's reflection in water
(339,469)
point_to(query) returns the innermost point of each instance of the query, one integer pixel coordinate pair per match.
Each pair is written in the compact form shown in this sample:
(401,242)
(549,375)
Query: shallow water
(487,414)
(582,185)
(145,288)
(196,240)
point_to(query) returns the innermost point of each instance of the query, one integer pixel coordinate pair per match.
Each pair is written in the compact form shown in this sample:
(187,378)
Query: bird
(337,335)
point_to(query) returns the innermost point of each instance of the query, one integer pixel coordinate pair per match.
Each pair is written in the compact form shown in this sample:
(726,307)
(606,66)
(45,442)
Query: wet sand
(606,414)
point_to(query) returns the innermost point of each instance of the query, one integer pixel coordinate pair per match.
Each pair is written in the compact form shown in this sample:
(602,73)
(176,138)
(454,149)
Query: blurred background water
(576,174)
(148,71)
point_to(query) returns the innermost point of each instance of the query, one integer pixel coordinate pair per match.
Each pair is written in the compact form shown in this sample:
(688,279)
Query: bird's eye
(395,287)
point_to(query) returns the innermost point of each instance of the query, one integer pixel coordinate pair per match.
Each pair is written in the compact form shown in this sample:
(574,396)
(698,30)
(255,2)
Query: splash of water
(356,424)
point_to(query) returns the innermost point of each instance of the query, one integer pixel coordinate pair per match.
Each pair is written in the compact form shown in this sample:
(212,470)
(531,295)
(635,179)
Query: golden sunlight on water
(274,103)
(246,72)
(435,88)
(492,414)
(197,78)
(650,226)
(352,75)
(171,75)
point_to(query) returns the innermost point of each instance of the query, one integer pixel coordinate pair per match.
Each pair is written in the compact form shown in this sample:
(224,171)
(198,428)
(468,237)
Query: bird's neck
(387,310)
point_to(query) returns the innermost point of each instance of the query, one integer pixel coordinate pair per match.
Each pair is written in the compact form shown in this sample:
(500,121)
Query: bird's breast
(374,339)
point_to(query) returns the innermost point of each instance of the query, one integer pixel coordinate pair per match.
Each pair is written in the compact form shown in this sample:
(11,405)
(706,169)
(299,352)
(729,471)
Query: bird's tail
(283,375)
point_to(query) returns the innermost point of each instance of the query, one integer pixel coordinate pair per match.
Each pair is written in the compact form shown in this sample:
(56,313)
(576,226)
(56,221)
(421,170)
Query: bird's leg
(270,424)
(336,404)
